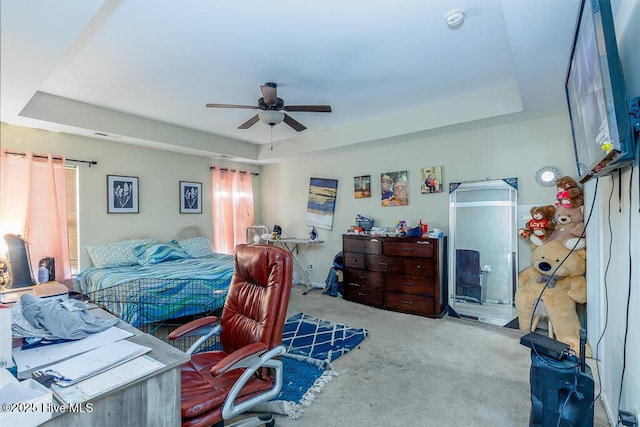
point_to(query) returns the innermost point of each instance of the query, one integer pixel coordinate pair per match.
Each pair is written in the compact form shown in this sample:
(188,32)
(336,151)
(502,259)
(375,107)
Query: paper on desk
(93,362)
(40,356)
(108,380)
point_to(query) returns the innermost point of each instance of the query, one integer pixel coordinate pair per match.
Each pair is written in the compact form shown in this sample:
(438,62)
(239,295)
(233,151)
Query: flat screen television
(596,95)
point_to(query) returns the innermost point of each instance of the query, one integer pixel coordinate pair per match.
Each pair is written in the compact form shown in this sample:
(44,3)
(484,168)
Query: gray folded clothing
(68,319)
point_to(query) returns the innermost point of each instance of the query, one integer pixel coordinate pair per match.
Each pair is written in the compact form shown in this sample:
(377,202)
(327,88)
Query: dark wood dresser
(395,273)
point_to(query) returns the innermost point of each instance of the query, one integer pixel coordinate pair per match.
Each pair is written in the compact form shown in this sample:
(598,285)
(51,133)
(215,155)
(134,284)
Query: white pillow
(197,247)
(116,254)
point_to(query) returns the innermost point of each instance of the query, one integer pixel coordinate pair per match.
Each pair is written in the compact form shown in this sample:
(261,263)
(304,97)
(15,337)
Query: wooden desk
(153,400)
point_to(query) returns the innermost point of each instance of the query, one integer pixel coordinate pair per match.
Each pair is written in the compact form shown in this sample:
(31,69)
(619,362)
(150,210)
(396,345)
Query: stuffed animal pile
(540,226)
(554,282)
(564,220)
(569,194)
(563,290)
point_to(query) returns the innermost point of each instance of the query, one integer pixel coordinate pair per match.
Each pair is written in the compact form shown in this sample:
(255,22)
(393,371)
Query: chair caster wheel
(268,419)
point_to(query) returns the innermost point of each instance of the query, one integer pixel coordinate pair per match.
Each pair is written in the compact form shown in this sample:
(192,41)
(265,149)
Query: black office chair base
(256,420)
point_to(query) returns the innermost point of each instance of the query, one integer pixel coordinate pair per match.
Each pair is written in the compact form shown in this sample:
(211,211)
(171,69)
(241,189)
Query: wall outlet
(310,267)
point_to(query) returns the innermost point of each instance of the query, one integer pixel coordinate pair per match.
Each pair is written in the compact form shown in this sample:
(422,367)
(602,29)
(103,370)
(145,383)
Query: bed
(145,281)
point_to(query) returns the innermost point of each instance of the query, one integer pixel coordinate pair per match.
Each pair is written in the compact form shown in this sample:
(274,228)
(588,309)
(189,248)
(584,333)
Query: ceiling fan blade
(252,121)
(270,93)
(308,108)
(252,107)
(296,125)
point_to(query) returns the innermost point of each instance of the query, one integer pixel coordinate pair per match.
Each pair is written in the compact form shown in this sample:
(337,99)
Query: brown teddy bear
(540,226)
(569,194)
(569,227)
(567,287)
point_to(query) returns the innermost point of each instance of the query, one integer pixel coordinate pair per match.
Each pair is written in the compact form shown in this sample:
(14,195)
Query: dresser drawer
(384,264)
(364,245)
(419,266)
(363,294)
(354,260)
(410,284)
(408,303)
(371,279)
(419,248)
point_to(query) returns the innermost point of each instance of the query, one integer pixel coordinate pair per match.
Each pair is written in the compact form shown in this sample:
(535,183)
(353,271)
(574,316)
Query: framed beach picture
(190,197)
(431,180)
(322,202)
(122,194)
(362,186)
(394,188)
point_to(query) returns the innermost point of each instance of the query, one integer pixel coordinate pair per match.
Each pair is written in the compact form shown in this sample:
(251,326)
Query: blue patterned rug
(318,341)
(312,344)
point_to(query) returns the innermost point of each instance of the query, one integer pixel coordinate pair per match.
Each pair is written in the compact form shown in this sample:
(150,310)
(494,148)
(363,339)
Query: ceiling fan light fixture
(271,117)
(455,18)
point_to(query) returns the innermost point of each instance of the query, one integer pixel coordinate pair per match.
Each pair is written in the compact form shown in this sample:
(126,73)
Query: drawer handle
(423,243)
(418,267)
(407,249)
(362,294)
(362,277)
(383,263)
(407,283)
(355,260)
(407,302)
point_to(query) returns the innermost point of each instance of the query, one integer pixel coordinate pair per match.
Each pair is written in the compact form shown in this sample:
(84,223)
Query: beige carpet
(415,371)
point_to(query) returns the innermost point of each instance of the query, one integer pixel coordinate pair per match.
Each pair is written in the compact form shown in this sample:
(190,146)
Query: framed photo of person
(394,188)
(431,180)
(122,194)
(362,186)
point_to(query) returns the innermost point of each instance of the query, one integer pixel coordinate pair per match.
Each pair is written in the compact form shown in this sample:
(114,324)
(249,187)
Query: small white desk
(291,244)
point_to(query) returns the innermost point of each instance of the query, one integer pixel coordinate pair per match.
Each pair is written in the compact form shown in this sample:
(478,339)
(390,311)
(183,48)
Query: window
(71,182)
(232,206)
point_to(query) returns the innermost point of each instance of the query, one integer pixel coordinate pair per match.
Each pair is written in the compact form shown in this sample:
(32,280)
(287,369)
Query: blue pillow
(155,253)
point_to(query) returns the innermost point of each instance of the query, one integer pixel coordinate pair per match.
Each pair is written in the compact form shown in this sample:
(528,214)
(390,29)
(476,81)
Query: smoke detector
(455,18)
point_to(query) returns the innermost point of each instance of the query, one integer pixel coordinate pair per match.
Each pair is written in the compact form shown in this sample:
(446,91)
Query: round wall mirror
(548,175)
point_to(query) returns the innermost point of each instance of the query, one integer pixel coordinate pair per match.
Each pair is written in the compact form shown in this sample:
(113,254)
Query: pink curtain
(33,205)
(232,207)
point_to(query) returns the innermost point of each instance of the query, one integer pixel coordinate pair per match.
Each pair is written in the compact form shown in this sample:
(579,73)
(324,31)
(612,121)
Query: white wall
(159,175)
(510,150)
(615,285)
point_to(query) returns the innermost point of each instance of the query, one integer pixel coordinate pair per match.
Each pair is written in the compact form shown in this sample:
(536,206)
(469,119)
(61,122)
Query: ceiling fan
(273,109)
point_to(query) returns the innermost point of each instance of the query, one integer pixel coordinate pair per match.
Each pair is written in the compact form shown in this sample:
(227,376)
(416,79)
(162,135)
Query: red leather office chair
(219,385)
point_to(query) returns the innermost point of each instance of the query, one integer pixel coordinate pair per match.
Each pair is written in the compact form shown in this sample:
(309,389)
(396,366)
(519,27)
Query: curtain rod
(233,170)
(41,156)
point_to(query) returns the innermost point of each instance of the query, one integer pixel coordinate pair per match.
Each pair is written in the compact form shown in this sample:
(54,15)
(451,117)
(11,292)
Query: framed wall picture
(190,197)
(394,188)
(431,180)
(322,202)
(122,194)
(362,186)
